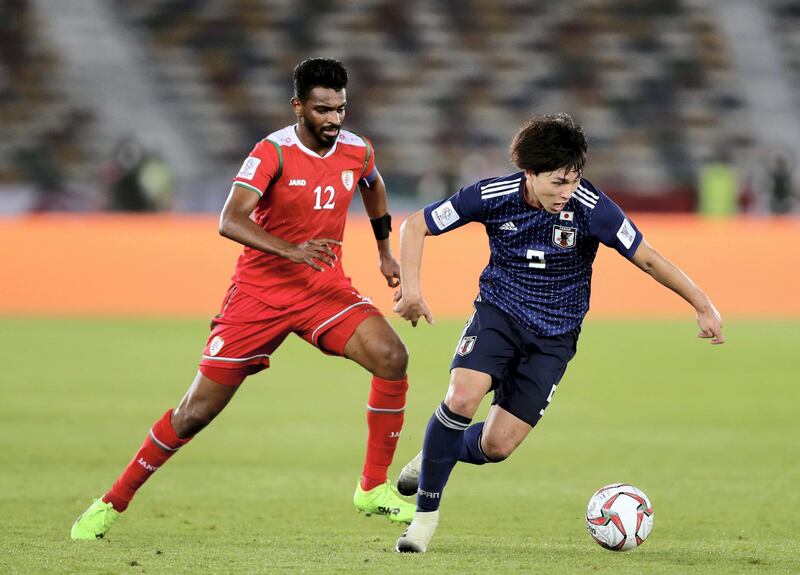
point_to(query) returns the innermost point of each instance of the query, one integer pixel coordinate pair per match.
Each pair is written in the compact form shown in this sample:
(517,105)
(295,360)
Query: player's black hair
(548,143)
(318,72)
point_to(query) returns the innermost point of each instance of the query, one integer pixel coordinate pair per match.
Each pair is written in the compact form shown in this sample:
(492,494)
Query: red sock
(385,412)
(160,444)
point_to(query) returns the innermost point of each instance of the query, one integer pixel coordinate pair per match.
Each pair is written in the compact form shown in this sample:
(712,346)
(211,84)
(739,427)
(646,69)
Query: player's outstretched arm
(376,203)
(235,224)
(410,305)
(668,274)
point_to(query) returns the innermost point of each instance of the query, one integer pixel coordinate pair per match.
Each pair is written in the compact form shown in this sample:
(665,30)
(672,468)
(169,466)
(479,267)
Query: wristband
(381,226)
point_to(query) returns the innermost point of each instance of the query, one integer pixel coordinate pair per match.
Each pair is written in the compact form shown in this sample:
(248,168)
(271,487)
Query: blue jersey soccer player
(544,224)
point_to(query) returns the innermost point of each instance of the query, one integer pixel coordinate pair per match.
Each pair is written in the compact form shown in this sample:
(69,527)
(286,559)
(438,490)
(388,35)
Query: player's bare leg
(202,402)
(377,347)
(502,433)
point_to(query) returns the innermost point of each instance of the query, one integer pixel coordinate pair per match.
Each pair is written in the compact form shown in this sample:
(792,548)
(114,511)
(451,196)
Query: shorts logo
(248,169)
(347,179)
(216,345)
(564,237)
(444,215)
(466,345)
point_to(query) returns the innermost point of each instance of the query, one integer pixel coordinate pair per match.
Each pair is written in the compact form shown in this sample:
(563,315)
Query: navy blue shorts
(525,367)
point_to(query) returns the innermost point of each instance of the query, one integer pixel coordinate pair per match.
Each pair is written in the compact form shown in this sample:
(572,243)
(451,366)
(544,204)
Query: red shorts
(247,331)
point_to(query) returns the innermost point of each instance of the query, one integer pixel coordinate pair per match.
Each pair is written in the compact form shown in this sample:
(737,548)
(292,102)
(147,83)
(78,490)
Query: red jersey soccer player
(297,183)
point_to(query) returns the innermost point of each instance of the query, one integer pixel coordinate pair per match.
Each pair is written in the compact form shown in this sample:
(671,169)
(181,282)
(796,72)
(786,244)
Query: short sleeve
(612,227)
(451,213)
(260,168)
(370,167)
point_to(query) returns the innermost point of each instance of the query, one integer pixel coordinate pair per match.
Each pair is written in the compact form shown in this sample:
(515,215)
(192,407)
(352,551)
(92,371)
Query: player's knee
(190,420)
(496,451)
(391,359)
(463,400)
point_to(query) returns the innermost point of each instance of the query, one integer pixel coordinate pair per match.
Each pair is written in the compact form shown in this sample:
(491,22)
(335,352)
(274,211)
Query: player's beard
(324,139)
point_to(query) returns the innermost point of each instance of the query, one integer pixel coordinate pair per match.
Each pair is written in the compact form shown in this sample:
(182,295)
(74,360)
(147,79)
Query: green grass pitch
(710,434)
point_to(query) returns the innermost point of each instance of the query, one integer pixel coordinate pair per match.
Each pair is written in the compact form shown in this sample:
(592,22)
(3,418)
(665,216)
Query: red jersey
(303,196)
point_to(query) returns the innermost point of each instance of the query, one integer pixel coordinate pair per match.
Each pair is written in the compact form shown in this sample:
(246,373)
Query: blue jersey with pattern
(540,264)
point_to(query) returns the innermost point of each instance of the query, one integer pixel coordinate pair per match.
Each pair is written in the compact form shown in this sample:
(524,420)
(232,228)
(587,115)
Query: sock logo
(146,465)
(393,434)
(428,494)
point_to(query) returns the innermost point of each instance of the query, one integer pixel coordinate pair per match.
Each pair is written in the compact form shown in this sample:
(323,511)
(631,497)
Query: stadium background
(121,126)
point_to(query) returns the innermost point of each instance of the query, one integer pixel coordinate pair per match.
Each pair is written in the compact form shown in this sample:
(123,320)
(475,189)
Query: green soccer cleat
(384,500)
(95,521)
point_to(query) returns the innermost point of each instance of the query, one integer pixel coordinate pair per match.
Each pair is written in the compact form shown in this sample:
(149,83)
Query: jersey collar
(311,153)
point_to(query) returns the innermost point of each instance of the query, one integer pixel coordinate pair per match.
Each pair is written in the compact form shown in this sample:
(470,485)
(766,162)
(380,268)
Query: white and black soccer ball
(619,517)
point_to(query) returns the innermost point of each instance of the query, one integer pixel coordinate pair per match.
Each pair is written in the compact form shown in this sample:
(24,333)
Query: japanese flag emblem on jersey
(564,237)
(566,216)
(466,344)
(347,179)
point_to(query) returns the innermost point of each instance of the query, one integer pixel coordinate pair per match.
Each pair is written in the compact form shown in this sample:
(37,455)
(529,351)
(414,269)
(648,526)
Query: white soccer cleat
(419,533)
(408,480)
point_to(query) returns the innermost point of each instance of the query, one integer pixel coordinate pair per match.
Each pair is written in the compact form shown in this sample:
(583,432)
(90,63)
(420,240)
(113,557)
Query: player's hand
(313,251)
(411,308)
(390,269)
(710,323)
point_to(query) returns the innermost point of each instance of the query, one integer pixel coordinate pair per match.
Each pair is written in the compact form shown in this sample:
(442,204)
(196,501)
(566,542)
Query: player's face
(550,191)
(321,115)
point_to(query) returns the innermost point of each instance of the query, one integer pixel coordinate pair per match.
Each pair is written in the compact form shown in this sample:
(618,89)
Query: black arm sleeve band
(381,226)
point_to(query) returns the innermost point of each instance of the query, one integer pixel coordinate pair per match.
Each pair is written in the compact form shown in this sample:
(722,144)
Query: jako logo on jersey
(347,179)
(509,227)
(466,345)
(297,182)
(216,345)
(566,216)
(564,237)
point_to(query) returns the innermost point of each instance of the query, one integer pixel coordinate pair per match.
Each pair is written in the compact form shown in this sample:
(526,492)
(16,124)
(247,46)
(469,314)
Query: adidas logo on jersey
(296,182)
(509,227)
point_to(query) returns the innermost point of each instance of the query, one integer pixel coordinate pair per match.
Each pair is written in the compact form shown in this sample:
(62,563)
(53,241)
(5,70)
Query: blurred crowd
(439,85)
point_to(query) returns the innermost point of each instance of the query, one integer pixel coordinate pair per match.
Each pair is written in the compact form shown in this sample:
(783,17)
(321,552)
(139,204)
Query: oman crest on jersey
(564,237)
(347,179)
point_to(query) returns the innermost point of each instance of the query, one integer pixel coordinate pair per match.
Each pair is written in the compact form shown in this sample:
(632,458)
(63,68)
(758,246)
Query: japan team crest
(347,179)
(564,237)
(466,345)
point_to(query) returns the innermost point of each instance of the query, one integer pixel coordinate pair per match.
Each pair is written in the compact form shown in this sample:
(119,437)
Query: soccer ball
(619,517)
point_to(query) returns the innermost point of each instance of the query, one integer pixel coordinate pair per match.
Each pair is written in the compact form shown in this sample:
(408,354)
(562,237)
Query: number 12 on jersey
(326,195)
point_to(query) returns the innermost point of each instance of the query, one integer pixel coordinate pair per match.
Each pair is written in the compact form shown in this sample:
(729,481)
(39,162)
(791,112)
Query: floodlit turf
(710,434)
